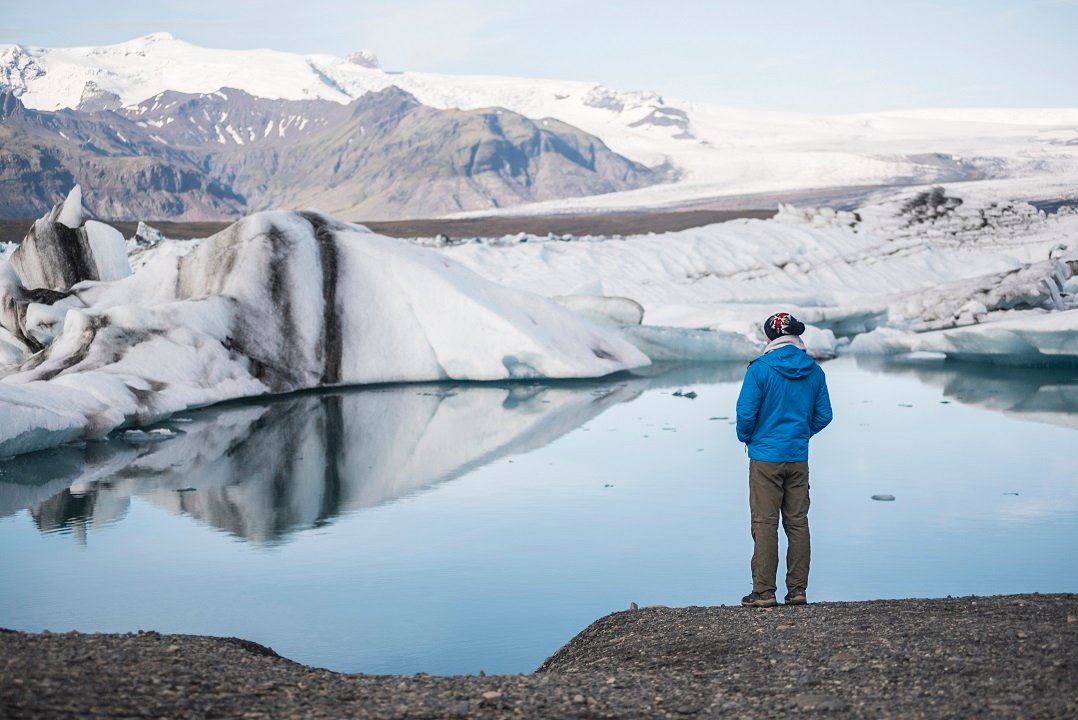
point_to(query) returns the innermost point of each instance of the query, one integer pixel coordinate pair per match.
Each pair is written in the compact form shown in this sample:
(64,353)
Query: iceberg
(1042,339)
(278,302)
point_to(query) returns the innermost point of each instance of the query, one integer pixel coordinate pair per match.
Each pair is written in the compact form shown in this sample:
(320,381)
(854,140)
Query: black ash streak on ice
(332,342)
(66,258)
(271,360)
(277,366)
(86,341)
(282,309)
(62,255)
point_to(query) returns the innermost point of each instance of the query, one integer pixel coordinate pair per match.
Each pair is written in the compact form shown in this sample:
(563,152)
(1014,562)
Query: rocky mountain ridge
(223,154)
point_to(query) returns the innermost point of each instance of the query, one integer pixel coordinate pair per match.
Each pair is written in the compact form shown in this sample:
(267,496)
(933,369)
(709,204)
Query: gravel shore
(1007,656)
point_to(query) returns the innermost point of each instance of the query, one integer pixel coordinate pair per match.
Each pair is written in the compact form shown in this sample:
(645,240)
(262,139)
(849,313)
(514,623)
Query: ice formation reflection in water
(453,528)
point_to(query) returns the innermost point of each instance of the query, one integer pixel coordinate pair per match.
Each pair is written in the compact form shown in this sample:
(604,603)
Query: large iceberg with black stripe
(277,302)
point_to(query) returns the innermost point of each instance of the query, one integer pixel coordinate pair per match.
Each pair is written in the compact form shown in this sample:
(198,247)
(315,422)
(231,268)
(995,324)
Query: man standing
(783,403)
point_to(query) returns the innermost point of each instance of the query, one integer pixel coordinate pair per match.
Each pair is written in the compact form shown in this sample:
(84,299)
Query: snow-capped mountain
(227,153)
(714,150)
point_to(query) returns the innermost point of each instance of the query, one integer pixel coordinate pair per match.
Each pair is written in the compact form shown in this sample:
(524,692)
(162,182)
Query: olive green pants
(775,488)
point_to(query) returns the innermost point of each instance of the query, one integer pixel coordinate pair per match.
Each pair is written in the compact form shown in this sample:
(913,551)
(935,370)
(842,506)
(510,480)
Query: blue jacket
(783,403)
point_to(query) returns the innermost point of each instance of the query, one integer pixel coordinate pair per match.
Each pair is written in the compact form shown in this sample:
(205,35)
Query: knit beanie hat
(782,324)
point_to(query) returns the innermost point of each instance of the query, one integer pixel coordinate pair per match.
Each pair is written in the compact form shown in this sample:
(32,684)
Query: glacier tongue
(276,302)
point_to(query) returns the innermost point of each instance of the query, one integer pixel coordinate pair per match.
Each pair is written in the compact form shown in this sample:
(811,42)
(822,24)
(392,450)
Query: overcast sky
(809,55)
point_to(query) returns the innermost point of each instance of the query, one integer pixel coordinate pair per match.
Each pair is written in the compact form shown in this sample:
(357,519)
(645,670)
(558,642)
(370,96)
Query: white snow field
(714,150)
(284,301)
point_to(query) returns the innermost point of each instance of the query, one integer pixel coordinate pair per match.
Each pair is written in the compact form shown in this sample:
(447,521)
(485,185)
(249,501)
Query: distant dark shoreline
(619,223)
(1003,656)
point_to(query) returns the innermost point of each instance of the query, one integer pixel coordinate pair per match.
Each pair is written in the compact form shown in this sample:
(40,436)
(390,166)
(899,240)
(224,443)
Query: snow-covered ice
(275,303)
(284,301)
(1040,339)
(889,262)
(65,247)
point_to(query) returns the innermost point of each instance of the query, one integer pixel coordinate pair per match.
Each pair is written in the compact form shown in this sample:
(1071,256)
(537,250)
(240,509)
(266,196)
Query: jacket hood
(789,360)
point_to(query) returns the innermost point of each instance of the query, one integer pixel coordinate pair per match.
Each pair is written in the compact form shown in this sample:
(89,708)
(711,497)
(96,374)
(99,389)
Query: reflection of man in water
(783,403)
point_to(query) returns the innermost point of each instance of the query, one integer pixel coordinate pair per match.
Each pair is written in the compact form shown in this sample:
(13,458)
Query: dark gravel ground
(613,223)
(1009,656)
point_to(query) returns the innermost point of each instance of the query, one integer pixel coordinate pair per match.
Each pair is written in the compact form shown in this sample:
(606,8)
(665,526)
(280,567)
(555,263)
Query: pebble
(955,657)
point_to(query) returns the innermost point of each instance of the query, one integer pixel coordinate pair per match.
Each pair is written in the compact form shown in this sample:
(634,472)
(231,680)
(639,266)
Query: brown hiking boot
(796,596)
(760,600)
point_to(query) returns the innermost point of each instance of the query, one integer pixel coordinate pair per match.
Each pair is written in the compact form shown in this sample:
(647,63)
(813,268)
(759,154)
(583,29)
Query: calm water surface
(458,528)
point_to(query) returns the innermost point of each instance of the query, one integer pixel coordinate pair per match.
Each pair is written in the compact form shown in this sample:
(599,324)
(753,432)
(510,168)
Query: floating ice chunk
(1032,339)
(11,291)
(667,343)
(821,344)
(1047,338)
(604,310)
(146,235)
(843,321)
(883,341)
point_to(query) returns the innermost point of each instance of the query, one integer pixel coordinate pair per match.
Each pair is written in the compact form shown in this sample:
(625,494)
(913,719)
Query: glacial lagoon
(453,528)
